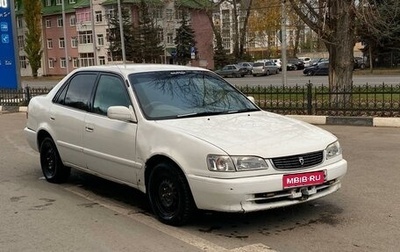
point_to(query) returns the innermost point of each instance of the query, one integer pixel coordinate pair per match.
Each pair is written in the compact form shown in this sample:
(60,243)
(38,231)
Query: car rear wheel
(52,167)
(169,195)
(310,73)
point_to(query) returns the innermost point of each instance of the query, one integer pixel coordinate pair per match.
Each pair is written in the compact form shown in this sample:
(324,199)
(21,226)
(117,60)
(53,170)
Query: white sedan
(182,135)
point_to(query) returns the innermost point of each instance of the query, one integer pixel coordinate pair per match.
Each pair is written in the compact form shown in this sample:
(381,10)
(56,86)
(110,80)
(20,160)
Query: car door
(110,145)
(67,115)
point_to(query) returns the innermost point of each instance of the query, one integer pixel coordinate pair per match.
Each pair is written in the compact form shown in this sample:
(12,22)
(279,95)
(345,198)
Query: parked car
(360,62)
(315,61)
(306,61)
(291,66)
(232,71)
(278,62)
(183,136)
(247,65)
(299,64)
(321,68)
(265,68)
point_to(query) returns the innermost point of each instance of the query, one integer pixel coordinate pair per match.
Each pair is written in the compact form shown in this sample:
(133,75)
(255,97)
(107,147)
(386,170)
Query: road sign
(9,68)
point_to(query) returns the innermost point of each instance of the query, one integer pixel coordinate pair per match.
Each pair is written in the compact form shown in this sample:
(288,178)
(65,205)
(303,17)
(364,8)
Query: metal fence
(365,100)
(20,97)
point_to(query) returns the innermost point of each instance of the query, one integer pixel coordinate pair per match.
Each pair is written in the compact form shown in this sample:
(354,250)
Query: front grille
(299,161)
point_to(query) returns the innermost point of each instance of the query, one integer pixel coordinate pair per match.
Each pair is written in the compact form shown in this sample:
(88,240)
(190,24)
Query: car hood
(257,133)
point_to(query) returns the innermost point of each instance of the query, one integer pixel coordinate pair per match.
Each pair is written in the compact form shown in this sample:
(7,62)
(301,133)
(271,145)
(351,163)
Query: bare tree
(378,27)
(334,22)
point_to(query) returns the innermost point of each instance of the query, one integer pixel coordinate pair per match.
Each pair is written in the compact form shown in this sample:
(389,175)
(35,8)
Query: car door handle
(89,129)
(52,118)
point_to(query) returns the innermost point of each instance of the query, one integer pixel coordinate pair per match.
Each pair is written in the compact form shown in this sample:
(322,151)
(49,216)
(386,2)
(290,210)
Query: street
(91,214)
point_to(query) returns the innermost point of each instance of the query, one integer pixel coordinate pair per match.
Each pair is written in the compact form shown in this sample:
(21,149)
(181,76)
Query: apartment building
(74,33)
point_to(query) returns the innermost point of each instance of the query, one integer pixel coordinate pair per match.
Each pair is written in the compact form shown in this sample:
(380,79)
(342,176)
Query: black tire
(310,73)
(169,195)
(52,167)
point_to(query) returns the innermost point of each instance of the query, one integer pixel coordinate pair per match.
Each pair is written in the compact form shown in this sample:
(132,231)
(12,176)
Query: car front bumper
(262,192)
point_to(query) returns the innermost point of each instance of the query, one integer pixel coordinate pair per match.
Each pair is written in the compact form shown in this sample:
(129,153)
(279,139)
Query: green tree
(114,35)
(184,40)
(33,42)
(147,35)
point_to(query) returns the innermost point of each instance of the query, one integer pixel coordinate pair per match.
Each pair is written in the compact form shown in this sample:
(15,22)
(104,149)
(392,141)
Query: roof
(139,67)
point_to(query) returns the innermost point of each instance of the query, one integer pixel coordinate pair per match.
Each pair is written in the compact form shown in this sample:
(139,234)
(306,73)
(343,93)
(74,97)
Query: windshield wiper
(205,113)
(243,110)
(209,113)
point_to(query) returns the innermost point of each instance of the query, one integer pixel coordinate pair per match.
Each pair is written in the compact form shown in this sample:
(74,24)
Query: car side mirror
(121,113)
(251,98)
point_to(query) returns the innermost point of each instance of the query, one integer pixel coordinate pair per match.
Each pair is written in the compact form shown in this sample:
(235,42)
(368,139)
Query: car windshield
(178,94)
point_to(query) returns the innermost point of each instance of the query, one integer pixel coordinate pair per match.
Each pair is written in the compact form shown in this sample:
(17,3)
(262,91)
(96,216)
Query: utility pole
(283,43)
(93,32)
(65,36)
(121,31)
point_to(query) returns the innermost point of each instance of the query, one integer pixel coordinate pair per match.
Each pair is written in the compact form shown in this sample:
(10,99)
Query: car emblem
(301,160)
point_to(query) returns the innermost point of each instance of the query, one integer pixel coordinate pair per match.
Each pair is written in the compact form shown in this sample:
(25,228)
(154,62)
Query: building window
(74,42)
(60,22)
(85,37)
(169,14)
(160,35)
(170,38)
(99,16)
(20,23)
(110,14)
(100,39)
(48,2)
(48,22)
(84,16)
(51,63)
(61,43)
(72,20)
(22,62)
(178,14)
(59,2)
(49,43)
(63,63)
(75,63)
(21,42)
(86,59)
(159,13)
(102,60)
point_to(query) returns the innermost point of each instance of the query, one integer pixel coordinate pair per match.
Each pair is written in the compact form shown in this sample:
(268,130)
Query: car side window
(110,91)
(77,92)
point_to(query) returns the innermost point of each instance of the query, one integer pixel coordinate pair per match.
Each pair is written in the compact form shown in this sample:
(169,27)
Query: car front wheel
(169,195)
(52,167)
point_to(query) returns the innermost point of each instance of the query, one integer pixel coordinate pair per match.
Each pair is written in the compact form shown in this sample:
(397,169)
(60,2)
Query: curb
(347,120)
(325,120)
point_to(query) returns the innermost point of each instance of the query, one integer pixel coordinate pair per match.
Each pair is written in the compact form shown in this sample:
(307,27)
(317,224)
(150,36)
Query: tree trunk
(341,49)
(235,30)
(243,31)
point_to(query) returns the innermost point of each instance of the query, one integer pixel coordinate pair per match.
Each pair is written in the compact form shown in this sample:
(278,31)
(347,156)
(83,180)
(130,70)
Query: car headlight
(333,150)
(235,163)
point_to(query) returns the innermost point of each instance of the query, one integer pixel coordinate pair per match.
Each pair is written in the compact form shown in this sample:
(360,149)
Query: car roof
(139,68)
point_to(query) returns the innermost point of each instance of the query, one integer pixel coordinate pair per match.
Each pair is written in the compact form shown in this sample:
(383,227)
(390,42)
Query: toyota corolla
(183,136)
